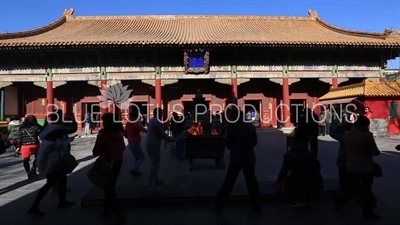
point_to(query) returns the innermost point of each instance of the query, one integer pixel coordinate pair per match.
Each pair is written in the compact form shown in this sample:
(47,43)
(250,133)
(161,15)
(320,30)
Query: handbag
(67,163)
(100,173)
(377,170)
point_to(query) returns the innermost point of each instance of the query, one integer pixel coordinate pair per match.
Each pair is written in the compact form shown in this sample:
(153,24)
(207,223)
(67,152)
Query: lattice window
(38,105)
(29,107)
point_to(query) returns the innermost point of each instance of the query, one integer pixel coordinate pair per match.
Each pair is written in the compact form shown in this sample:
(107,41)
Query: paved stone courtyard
(17,193)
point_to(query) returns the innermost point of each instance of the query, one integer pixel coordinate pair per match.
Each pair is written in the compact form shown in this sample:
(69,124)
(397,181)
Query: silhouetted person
(177,127)
(132,132)
(110,147)
(360,148)
(240,140)
(308,124)
(155,135)
(300,173)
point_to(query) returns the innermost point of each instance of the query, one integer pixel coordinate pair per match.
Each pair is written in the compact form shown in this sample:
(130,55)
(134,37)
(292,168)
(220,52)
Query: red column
(103,86)
(382,79)
(286,102)
(317,109)
(335,82)
(158,93)
(49,97)
(234,91)
(274,112)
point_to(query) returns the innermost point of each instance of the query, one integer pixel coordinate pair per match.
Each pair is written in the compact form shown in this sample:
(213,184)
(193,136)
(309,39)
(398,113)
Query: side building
(258,62)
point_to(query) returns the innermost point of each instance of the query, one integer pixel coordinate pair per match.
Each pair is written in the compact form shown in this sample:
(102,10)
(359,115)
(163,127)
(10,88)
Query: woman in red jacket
(110,147)
(368,113)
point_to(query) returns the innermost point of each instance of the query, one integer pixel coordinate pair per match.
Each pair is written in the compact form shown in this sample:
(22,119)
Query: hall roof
(366,88)
(274,31)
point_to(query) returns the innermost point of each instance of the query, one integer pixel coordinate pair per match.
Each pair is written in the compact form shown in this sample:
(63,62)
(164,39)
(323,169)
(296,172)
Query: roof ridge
(386,33)
(34,31)
(193,17)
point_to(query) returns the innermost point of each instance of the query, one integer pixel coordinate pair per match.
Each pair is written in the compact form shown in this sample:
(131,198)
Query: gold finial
(313,13)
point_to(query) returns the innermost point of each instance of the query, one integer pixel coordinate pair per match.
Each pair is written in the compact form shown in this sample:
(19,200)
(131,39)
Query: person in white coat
(54,146)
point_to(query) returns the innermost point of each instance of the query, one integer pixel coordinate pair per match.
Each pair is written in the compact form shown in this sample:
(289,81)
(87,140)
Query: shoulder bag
(66,163)
(100,173)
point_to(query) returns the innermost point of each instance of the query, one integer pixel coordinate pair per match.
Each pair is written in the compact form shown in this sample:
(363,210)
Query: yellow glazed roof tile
(364,89)
(72,30)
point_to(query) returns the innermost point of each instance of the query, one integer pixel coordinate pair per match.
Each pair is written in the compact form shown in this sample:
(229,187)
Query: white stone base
(287,130)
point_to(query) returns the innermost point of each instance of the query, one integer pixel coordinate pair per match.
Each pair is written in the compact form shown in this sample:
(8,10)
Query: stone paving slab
(190,193)
(16,193)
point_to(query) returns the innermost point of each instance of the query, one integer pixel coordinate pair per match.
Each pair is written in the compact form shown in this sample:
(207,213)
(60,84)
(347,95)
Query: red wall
(380,107)
(380,110)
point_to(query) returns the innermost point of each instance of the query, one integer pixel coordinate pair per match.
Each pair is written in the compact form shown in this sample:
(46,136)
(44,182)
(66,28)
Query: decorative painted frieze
(43,84)
(293,80)
(277,80)
(95,83)
(260,68)
(123,69)
(215,75)
(5,84)
(58,83)
(75,77)
(23,78)
(374,79)
(280,80)
(257,74)
(219,68)
(358,73)
(309,74)
(173,69)
(309,67)
(326,80)
(23,71)
(131,76)
(163,82)
(229,81)
(358,67)
(76,70)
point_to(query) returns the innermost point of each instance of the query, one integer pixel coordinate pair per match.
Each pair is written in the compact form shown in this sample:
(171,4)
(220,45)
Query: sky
(366,15)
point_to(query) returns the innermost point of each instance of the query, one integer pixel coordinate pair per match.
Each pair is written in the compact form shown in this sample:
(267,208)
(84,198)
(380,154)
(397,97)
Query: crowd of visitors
(50,147)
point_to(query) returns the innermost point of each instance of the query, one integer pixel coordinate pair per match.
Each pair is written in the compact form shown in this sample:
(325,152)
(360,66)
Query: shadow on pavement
(269,159)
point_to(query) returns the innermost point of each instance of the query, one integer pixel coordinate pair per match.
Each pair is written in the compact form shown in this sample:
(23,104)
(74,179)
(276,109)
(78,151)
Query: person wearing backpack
(241,139)
(300,173)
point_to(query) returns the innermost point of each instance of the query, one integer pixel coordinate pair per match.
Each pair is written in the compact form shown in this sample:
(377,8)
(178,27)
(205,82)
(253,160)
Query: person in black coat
(300,173)
(308,125)
(4,145)
(241,139)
